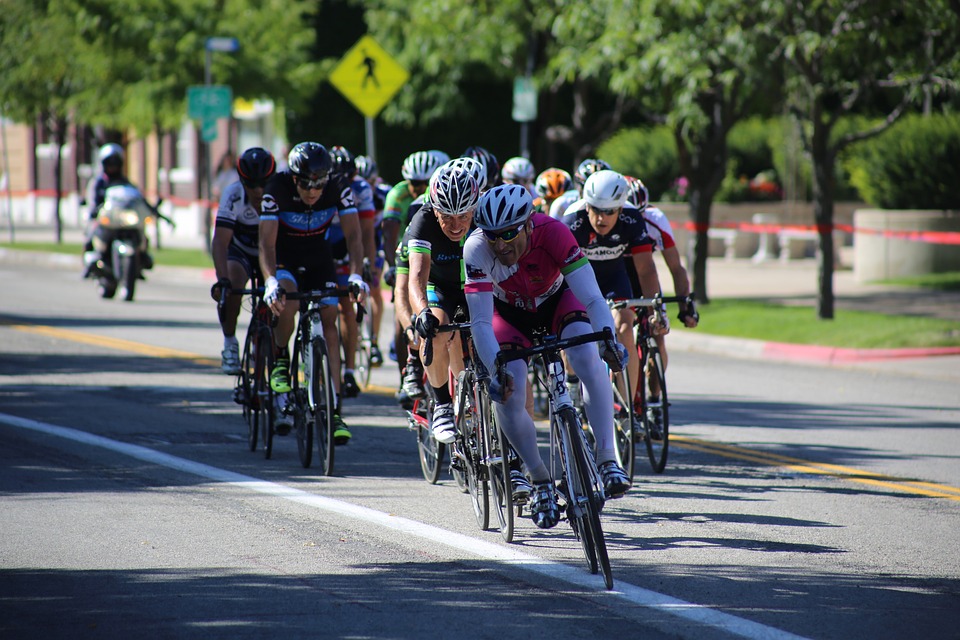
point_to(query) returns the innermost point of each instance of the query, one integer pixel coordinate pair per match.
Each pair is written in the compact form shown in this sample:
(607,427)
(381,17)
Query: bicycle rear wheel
(656,433)
(583,501)
(302,422)
(265,395)
(245,392)
(322,402)
(623,421)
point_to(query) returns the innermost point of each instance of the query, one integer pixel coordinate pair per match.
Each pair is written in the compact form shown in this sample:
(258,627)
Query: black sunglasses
(306,183)
(604,212)
(418,184)
(507,236)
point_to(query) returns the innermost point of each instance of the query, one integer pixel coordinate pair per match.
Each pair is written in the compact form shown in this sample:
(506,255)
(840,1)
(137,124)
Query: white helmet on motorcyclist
(606,190)
(110,153)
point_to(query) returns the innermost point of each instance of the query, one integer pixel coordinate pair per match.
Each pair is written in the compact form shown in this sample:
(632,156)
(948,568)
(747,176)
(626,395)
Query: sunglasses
(604,212)
(418,184)
(307,184)
(507,236)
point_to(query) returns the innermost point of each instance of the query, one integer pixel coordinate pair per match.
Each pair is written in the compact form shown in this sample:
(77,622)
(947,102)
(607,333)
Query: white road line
(633,594)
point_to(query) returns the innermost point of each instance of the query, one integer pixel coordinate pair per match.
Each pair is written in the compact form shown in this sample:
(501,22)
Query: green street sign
(208,129)
(209,101)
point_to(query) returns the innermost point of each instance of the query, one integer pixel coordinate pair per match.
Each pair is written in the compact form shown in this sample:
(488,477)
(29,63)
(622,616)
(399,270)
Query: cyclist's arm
(646,273)
(583,283)
(269,227)
(419,276)
(480,305)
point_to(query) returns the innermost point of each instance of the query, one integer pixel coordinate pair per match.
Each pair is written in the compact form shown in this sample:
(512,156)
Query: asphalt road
(798,501)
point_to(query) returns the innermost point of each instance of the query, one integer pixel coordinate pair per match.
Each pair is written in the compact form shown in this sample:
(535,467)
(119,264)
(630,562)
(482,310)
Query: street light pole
(228,45)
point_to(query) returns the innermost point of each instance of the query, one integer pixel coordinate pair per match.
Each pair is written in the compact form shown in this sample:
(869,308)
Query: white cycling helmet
(108,151)
(474,167)
(606,189)
(419,166)
(518,170)
(507,205)
(442,156)
(453,190)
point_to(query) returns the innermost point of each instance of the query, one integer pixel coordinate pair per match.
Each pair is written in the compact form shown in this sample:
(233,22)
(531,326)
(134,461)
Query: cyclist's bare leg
(437,370)
(349,332)
(654,380)
(231,306)
(329,316)
(287,318)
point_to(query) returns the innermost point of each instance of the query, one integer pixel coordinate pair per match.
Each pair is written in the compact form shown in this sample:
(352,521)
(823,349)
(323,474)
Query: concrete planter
(879,253)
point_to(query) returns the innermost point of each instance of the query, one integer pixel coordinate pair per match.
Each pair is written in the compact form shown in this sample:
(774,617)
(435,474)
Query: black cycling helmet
(343,161)
(309,159)
(489,162)
(587,168)
(255,167)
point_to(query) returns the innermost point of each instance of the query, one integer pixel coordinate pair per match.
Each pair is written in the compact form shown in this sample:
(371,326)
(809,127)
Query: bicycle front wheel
(322,404)
(656,416)
(245,391)
(265,395)
(623,420)
(498,467)
(363,367)
(583,500)
(465,456)
(302,422)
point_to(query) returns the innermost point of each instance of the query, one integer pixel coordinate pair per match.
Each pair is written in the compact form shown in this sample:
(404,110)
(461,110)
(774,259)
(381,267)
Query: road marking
(906,485)
(698,614)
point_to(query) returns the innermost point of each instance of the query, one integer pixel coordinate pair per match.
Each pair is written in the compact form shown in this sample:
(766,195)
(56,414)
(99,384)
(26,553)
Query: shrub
(912,165)
(646,153)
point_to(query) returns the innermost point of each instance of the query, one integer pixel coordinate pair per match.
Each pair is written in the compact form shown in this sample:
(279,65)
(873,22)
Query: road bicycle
(480,456)
(580,486)
(651,404)
(311,401)
(252,390)
(365,339)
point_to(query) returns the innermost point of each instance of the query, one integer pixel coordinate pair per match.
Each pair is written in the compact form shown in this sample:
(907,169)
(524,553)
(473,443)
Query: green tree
(849,55)
(699,67)
(44,57)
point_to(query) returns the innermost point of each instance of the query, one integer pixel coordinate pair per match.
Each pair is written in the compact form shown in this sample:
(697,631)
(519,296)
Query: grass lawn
(165,256)
(800,325)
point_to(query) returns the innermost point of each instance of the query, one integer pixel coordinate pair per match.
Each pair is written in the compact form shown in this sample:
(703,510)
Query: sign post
(368,77)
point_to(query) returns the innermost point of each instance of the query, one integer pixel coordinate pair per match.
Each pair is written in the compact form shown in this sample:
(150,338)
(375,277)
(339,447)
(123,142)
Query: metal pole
(371,141)
(207,165)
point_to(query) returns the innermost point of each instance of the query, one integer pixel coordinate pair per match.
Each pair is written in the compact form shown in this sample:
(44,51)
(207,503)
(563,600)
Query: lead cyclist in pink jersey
(525,271)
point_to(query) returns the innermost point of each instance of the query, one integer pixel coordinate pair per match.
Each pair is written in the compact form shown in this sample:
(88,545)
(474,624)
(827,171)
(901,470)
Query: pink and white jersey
(552,252)
(658,228)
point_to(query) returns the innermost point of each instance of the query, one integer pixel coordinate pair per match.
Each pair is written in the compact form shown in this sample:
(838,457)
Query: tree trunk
(59,136)
(824,161)
(700,215)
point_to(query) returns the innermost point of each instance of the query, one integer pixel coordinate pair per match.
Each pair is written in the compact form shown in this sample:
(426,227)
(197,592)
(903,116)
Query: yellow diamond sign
(368,77)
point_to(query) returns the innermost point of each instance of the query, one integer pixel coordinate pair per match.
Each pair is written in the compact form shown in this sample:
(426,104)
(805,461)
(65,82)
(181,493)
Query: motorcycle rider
(111,160)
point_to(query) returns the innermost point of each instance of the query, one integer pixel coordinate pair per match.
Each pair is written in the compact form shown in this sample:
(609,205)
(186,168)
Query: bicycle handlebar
(551,344)
(319,294)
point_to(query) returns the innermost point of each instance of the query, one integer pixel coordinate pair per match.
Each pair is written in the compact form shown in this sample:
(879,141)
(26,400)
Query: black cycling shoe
(615,480)
(543,505)
(349,388)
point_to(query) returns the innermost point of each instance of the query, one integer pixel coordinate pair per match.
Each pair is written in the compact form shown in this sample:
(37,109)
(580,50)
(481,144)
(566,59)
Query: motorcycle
(120,241)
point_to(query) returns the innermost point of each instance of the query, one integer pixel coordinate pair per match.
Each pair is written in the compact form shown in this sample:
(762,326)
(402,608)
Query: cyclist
(434,241)
(367,169)
(584,170)
(298,208)
(416,170)
(659,229)
(344,164)
(519,170)
(609,231)
(489,162)
(235,245)
(525,272)
(550,185)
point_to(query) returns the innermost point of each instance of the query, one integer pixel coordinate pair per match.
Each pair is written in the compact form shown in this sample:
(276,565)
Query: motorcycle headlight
(129,218)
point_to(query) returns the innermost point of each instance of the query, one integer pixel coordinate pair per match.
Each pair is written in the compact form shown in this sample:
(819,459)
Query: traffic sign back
(368,77)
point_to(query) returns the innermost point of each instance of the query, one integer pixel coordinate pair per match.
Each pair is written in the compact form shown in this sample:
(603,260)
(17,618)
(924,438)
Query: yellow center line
(114,343)
(906,485)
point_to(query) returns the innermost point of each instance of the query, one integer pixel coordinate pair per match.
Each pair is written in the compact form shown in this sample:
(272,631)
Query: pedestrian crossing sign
(368,77)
